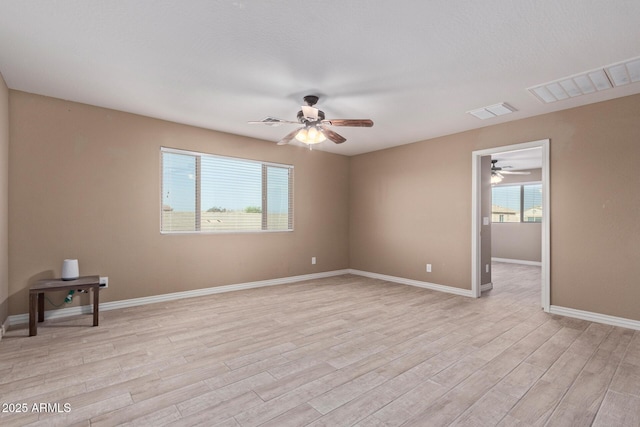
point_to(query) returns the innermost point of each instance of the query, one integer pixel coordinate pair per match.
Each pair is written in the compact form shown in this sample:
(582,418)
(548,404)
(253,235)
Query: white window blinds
(532,203)
(208,193)
(505,203)
(517,203)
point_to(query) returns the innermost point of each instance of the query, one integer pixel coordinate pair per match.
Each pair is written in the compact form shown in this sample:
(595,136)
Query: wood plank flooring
(341,351)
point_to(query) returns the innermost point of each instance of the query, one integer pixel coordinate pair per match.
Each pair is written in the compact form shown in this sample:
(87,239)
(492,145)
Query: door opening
(478,249)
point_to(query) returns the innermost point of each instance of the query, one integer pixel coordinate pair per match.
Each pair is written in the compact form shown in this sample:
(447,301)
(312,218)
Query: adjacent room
(357,213)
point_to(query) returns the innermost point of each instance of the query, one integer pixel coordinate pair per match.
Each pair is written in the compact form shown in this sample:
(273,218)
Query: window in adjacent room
(505,203)
(516,203)
(532,203)
(207,193)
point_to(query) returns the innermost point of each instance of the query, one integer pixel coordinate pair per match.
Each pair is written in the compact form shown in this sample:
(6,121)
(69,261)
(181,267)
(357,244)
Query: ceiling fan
(314,125)
(498,171)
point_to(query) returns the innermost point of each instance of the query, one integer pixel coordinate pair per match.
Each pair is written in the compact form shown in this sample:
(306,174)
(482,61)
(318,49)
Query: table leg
(33,327)
(96,304)
(41,307)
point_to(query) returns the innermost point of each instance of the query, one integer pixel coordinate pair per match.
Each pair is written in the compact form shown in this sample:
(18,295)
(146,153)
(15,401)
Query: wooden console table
(36,296)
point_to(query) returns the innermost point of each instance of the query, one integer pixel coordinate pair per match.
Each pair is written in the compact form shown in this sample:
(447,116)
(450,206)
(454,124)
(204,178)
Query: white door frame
(476,219)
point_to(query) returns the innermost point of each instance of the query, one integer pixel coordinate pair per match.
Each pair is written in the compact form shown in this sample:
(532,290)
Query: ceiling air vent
(492,111)
(609,76)
(625,72)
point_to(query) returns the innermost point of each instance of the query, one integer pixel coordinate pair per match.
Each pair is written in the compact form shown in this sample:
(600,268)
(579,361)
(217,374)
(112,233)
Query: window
(206,193)
(505,203)
(532,203)
(516,203)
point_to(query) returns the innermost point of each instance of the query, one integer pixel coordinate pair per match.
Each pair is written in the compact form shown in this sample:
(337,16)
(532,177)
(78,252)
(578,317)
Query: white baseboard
(418,283)
(113,305)
(517,261)
(595,317)
(486,287)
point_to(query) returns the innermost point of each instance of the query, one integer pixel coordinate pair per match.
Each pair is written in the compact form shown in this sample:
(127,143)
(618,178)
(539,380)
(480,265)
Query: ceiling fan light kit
(310,135)
(314,130)
(495,178)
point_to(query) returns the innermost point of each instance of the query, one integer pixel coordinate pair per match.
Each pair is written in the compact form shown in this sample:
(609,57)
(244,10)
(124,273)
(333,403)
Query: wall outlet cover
(104,282)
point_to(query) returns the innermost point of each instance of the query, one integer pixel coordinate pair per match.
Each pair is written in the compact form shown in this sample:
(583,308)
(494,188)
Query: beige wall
(517,240)
(85,183)
(4,200)
(411,205)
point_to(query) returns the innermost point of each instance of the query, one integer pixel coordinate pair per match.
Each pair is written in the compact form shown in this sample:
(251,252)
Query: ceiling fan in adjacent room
(498,172)
(314,125)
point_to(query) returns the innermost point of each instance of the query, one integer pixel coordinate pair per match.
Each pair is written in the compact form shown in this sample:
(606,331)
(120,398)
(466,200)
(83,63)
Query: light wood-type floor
(340,351)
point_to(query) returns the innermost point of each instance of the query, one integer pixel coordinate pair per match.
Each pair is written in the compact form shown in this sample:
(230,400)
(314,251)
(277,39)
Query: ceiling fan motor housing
(302,119)
(311,100)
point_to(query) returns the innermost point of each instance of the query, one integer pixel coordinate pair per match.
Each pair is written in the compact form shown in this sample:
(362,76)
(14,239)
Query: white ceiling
(413,66)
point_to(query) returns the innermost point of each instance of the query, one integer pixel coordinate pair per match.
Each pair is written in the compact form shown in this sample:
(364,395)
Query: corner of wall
(4,203)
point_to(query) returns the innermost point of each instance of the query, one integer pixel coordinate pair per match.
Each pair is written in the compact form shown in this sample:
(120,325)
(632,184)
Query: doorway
(478,219)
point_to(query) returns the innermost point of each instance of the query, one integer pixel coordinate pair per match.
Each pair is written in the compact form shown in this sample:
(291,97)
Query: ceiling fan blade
(515,173)
(271,121)
(287,139)
(333,136)
(366,123)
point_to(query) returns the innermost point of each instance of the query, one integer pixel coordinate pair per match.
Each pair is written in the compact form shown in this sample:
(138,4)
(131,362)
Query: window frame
(198,188)
(521,196)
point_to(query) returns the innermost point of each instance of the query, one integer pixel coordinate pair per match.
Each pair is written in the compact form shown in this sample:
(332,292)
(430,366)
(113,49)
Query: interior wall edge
(4,199)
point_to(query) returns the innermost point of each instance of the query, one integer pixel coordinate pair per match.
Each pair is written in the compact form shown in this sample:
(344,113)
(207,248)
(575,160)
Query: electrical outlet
(313,260)
(487,268)
(428,268)
(104,282)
